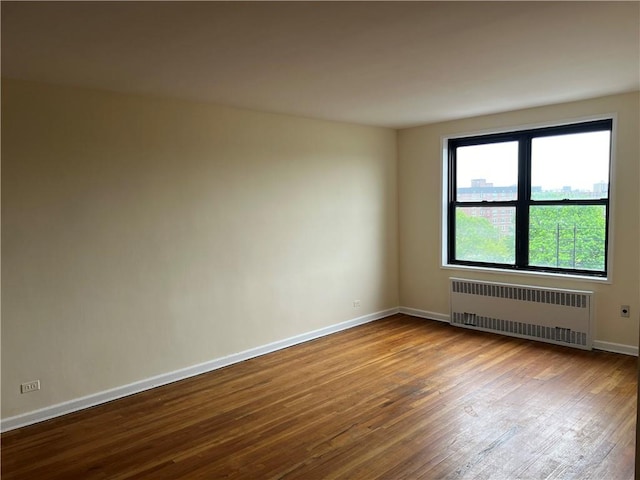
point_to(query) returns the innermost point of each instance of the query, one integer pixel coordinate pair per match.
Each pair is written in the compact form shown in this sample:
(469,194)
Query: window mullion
(522,207)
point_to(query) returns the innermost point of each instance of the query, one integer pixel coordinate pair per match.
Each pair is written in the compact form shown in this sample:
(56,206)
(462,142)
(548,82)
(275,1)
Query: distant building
(480,183)
(601,187)
(502,217)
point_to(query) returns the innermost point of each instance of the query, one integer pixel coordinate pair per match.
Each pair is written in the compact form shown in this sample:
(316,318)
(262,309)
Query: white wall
(424,284)
(141,236)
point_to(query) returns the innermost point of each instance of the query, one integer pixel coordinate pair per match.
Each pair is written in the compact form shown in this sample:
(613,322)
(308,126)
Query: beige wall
(424,284)
(141,236)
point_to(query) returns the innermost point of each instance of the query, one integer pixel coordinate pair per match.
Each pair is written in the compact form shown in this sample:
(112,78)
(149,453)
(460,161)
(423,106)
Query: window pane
(572,166)
(485,236)
(487,172)
(569,236)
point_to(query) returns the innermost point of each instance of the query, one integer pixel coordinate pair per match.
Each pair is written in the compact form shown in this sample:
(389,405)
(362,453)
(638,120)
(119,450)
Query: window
(549,189)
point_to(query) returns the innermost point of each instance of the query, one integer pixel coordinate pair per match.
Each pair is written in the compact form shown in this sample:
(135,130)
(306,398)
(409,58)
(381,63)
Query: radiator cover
(556,316)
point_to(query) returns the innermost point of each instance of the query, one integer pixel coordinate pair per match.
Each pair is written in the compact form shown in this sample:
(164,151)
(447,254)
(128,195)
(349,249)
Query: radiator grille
(539,313)
(542,332)
(528,294)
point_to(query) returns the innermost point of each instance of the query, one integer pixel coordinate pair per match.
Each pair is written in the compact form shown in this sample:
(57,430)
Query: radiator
(557,316)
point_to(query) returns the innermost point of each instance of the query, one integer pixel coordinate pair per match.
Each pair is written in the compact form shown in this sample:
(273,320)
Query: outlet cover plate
(30,386)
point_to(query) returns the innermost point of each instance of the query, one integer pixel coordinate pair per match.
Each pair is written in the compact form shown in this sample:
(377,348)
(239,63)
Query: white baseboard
(597,344)
(74,405)
(615,348)
(414,312)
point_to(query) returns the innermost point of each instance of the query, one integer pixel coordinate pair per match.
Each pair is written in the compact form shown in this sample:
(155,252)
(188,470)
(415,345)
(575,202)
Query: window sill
(521,273)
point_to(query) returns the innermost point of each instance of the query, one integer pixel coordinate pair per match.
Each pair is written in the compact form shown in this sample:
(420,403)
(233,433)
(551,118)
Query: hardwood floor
(400,398)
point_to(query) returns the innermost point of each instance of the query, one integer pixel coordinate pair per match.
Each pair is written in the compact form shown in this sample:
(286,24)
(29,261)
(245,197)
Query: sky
(577,160)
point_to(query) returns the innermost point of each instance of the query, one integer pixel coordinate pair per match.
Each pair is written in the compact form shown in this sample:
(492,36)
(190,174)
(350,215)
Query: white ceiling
(392,64)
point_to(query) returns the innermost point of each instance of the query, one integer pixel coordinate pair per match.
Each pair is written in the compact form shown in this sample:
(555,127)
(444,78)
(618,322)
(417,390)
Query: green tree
(478,240)
(569,236)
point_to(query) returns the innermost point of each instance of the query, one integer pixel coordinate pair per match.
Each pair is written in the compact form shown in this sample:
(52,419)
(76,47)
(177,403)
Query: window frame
(523,202)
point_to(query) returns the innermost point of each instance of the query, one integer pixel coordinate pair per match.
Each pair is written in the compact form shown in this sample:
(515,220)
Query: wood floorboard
(400,398)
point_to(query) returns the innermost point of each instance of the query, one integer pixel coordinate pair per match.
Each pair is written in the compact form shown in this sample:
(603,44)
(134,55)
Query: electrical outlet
(30,386)
(356,304)
(625,310)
